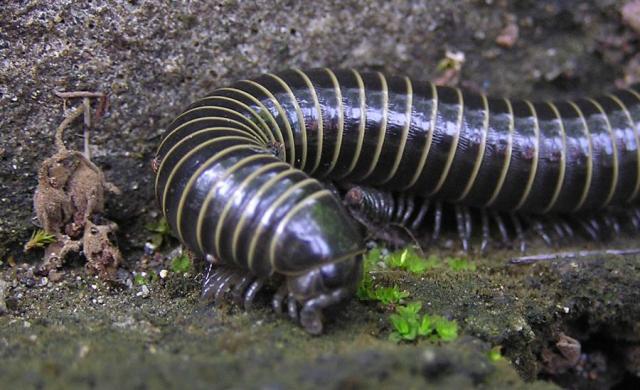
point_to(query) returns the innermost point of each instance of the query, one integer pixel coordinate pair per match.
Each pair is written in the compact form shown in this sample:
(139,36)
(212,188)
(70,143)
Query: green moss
(460,265)
(409,260)
(181,264)
(389,295)
(494,354)
(161,230)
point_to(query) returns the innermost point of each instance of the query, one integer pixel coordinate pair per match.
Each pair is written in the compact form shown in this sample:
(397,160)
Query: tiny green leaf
(425,328)
(181,264)
(389,295)
(494,354)
(39,239)
(445,329)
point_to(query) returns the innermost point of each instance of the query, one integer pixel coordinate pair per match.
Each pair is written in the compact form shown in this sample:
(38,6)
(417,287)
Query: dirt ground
(152,59)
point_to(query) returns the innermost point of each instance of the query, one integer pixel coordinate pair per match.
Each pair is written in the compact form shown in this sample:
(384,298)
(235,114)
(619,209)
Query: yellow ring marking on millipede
(210,195)
(198,147)
(536,157)
(340,130)
(204,130)
(563,160)
(268,129)
(316,104)
(635,132)
(483,146)
(454,146)
(287,217)
(285,119)
(614,147)
(272,209)
(589,179)
(252,204)
(383,126)
(173,131)
(405,133)
(227,207)
(627,113)
(507,157)
(361,125)
(427,146)
(299,114)
(196,174)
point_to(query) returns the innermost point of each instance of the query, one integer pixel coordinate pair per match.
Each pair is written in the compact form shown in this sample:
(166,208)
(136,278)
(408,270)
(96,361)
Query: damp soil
(152,59)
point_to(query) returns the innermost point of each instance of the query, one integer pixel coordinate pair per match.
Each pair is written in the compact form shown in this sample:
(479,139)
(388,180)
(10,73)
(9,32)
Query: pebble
(144,291)
(3,304)
(631,14)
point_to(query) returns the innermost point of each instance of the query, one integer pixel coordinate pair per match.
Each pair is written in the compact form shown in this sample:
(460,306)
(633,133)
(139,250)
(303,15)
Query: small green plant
(181,264)
(39,239)
(408,325)
(495,354)
(144,278)
(459,265)
(365,287)
(445,329)
(409,260)
(389,295)
(161,231)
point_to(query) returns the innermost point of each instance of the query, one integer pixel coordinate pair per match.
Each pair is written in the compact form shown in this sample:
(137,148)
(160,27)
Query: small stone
(631,14)
(55,276)
(508,36)
(28,281)
(144,291)
(3,304)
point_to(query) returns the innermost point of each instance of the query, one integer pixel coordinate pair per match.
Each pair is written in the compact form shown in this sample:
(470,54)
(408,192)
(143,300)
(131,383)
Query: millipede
(279,178)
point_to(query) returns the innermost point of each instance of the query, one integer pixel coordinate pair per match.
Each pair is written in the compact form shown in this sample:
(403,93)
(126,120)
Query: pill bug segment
(241,174)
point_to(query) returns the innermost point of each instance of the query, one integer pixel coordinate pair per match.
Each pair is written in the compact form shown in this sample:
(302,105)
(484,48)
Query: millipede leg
(596,227)
(223,286)
(567,228)
(251,293)
(410,206)
(485,231)
(417,222)
(400,206)
(635,221)
(502,228)
(557,228)
(279,297)
(292,308)
(611,223)
(519,232)
(460,222)
(240,288)
(538,227)
(211,284)
(588,229)
(468,225)
(311,312)
(437,223)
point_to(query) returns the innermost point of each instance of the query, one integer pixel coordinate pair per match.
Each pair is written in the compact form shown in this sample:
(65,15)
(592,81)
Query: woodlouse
(241,172)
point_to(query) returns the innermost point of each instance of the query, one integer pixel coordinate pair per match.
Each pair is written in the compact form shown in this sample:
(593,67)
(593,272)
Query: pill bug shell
(240,173)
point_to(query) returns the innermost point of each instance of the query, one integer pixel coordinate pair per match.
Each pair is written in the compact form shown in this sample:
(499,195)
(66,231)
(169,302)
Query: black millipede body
(243,174)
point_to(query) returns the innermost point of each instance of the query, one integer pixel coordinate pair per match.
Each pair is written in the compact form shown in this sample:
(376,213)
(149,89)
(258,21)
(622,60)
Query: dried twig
(65,123)
(77,94)
(572,255)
